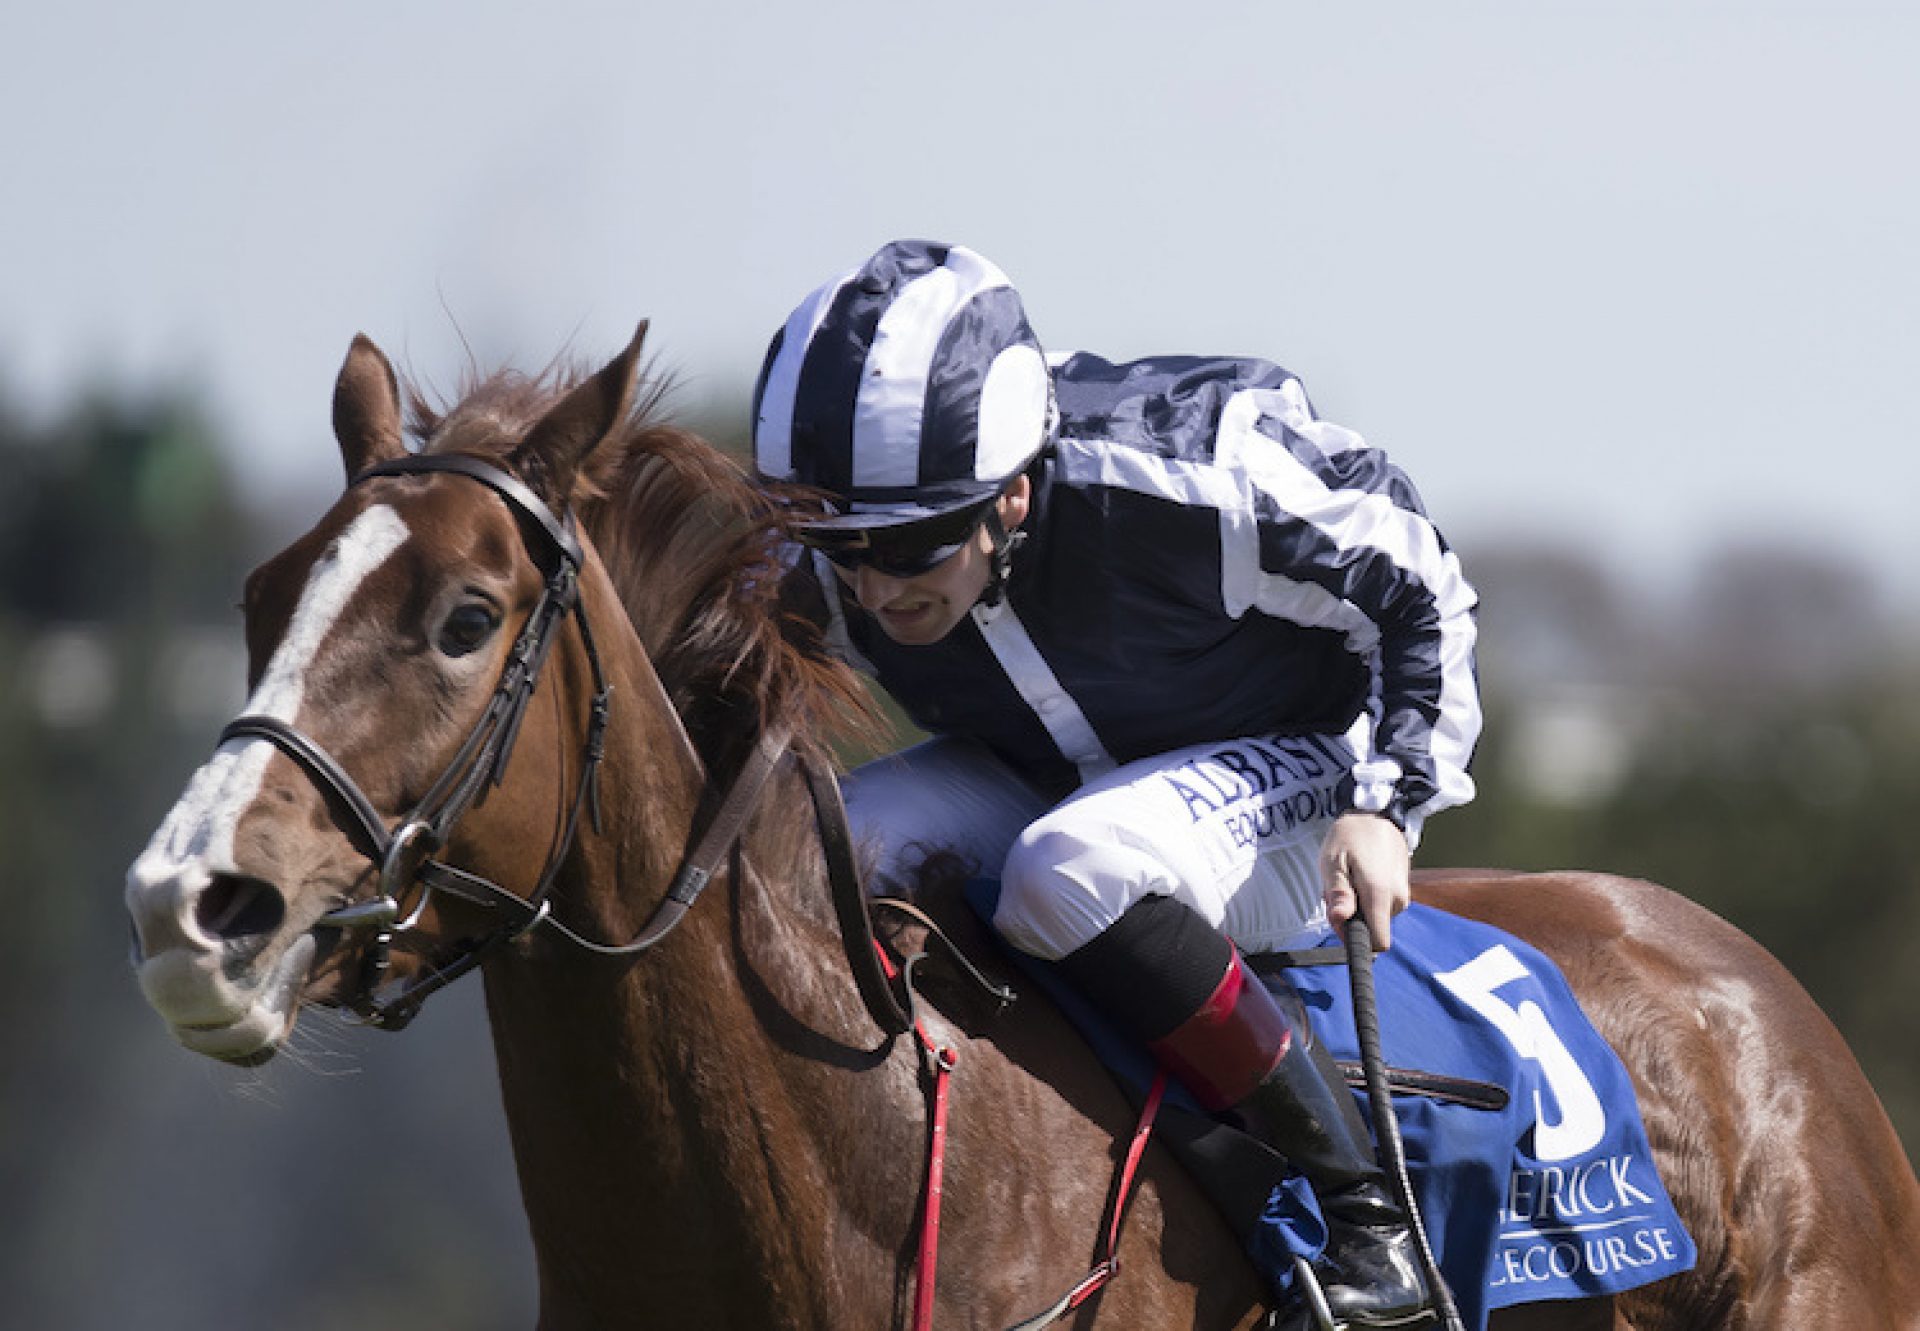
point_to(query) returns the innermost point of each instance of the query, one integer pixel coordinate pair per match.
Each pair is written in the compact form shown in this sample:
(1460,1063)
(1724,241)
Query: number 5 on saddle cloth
(1550,1195)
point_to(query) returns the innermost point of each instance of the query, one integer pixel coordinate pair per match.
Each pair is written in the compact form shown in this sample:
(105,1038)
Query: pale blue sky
(1642,276)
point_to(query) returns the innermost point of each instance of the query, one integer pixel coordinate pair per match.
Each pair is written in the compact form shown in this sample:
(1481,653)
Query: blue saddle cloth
(1554,1196)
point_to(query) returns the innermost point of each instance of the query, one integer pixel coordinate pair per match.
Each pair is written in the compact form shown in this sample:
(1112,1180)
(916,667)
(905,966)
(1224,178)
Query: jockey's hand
(1365,859)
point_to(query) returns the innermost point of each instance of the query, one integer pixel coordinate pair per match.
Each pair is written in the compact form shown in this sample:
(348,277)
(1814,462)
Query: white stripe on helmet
(773,431)
(893,387)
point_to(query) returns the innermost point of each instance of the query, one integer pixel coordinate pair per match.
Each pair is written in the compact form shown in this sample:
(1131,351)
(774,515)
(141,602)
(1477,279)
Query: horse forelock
(696,553)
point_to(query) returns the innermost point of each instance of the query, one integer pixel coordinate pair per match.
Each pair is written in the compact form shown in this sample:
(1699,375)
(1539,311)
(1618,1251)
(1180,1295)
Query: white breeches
(1233,829)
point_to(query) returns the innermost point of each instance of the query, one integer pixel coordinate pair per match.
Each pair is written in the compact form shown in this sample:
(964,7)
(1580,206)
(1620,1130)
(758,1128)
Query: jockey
(1195,665)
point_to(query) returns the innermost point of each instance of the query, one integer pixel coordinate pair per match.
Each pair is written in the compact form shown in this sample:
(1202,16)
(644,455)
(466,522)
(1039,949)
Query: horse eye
(467,627)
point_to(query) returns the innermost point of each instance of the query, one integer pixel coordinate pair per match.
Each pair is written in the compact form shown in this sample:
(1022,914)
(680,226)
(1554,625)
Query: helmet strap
(1004,544)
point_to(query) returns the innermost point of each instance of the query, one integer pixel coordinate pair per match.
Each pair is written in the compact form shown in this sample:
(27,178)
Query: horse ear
(366,408)
(548,458)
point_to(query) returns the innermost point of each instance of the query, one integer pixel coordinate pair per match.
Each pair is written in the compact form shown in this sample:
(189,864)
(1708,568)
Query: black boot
(1170,977)
(1370,1272)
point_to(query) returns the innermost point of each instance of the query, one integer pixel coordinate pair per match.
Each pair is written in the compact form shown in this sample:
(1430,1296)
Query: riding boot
(1180,985)
(1371,1274)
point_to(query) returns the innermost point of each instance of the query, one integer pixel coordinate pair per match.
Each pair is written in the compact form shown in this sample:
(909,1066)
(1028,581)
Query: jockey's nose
(873,588)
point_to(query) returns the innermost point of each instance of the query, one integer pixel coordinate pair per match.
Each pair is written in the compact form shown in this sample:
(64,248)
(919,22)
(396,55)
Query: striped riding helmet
(907,389)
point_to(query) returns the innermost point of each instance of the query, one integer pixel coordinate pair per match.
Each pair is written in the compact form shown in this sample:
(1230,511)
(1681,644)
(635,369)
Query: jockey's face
(923,609)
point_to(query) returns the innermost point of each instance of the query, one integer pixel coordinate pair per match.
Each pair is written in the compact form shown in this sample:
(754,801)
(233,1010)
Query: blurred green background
(1751,738)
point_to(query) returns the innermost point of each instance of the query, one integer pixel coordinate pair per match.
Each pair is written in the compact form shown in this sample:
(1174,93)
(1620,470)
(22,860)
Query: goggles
(904,551)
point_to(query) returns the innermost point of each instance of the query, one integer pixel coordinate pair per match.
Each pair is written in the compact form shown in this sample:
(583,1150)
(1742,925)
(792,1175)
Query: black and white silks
(1205,560)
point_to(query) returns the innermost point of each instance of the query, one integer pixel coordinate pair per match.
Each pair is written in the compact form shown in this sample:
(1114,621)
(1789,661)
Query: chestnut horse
(714,1132)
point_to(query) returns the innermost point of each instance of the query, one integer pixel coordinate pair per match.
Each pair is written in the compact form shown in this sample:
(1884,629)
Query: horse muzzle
(211,957)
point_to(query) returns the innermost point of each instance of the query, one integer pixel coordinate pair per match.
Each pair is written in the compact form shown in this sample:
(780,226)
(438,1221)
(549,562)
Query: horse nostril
(234,907)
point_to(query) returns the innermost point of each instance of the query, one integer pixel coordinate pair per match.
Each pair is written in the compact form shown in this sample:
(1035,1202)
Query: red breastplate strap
(940,1061)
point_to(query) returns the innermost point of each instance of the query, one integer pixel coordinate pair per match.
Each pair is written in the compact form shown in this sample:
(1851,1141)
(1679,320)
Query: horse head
(352,825)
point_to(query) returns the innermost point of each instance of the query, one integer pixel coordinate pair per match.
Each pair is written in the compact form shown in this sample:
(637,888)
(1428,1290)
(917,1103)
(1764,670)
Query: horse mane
(699,555)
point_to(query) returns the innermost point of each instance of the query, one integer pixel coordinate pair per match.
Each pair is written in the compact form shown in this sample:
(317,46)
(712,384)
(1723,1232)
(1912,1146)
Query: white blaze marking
(200,828)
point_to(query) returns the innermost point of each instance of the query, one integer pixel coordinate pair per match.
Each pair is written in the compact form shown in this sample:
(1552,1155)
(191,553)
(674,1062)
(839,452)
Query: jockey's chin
(919,621)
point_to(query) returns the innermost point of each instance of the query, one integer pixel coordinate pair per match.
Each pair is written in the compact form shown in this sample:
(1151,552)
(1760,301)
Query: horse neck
(646,1097)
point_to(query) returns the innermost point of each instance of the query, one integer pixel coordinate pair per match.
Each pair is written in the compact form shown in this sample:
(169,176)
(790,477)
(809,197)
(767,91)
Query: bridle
(403,856)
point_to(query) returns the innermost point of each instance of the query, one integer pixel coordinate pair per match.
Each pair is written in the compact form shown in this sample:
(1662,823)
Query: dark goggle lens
(902,564)
(904,552)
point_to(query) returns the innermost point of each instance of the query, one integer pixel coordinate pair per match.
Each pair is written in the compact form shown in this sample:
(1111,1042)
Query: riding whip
(1386,1124)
